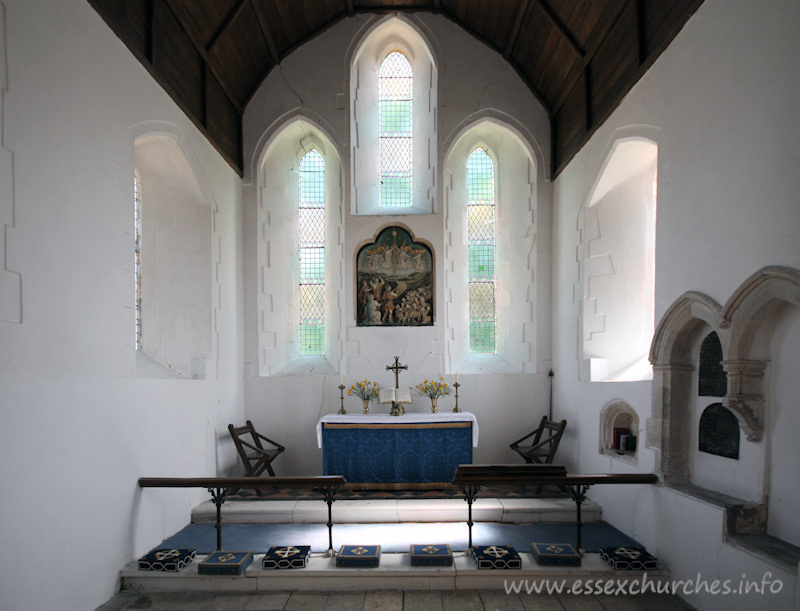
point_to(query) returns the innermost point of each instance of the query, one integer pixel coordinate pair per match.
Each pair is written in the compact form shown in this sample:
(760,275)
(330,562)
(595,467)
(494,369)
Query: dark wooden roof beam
(237,10)
(274,56)
(201,50)
(553,18)
(592,46)
(522,15)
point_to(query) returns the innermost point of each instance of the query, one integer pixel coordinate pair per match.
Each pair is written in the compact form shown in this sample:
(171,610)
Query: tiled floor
(390,600)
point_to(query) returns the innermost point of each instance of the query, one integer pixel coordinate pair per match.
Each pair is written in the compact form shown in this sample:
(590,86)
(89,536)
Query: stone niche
(619,432)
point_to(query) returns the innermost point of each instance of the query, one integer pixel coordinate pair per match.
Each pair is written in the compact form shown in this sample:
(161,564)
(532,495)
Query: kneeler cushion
(225,563)
(497,557)
(166,559)
(629,558)
(287,557)
(359,556)
(431,555)
(555,554)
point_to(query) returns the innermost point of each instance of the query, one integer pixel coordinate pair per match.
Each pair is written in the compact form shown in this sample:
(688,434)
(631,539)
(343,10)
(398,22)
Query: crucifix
(396,367)
(397,406)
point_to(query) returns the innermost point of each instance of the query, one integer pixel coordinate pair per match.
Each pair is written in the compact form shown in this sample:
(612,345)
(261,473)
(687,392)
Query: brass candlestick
(342,410)
(456,408)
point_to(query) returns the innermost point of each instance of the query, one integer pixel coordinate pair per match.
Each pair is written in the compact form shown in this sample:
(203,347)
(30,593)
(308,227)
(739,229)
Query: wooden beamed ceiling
(578,57)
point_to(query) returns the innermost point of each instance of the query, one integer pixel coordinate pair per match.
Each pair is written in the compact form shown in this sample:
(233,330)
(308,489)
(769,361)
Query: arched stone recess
(272,241)
(616,260)
(744,328)
(381,37)
(180,257)
(618,418)
(691,317)
(749,314)
(517,176)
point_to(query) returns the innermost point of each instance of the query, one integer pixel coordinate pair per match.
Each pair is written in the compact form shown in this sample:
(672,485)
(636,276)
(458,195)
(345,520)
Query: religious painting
(394,281)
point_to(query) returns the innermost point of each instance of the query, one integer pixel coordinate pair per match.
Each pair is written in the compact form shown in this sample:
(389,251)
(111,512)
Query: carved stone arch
(754,302)
(671,357)
(279,126)
(689,311)
(748,313)
(473,123)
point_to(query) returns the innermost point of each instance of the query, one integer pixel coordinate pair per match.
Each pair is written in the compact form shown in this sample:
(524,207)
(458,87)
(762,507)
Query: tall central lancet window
(312,253)
(481,245)
(395,82)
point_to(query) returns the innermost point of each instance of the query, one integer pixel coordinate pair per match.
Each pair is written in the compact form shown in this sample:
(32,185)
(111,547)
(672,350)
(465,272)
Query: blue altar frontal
(408,449)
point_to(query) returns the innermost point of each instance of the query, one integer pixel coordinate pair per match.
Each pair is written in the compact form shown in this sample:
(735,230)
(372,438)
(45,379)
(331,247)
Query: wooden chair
(255,457)
(541,450)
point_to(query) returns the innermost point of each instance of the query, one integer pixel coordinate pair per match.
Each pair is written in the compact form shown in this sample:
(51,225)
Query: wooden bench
(221,487)
(470,478)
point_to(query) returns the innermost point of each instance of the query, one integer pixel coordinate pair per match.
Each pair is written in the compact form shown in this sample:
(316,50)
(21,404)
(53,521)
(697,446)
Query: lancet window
(481,246)
(311,223)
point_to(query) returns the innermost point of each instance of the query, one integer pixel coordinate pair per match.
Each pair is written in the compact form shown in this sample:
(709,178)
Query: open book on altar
(394,395)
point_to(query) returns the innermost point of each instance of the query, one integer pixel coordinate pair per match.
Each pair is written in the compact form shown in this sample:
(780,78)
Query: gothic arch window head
(311,240)
(396,86)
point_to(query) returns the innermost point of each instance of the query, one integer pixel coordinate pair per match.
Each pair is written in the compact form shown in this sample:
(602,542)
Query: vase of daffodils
(433,390)
(365,390)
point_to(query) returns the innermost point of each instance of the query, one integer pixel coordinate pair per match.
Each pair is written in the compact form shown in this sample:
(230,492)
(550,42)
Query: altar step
(515,511)
(394,573)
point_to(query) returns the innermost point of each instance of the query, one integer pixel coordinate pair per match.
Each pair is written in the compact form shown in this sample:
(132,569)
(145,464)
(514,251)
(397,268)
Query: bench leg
(218,495)
(470,492)
(578,495)
(329,493)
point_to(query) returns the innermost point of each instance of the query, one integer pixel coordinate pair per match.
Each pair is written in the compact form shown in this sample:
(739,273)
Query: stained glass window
(312,253)
(481,253)
(137,261)
(395,82)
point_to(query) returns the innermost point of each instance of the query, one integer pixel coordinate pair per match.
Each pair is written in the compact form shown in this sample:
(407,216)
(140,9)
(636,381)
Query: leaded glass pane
(311,238)
(481,263)
(396,157)
(395,124)
(481,301)
(395,117)
(482,337)
(312,226)
(312,265)
(481,224)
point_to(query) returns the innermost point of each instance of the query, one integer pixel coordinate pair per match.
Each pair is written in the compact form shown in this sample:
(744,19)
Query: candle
(341,380)
(456,377)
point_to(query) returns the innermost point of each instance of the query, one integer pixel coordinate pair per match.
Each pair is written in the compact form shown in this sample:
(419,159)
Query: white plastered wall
(288,406)
(80,423)
(725,112)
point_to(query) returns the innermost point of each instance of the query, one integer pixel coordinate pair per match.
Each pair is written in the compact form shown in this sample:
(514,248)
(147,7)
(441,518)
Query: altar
(395,451)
